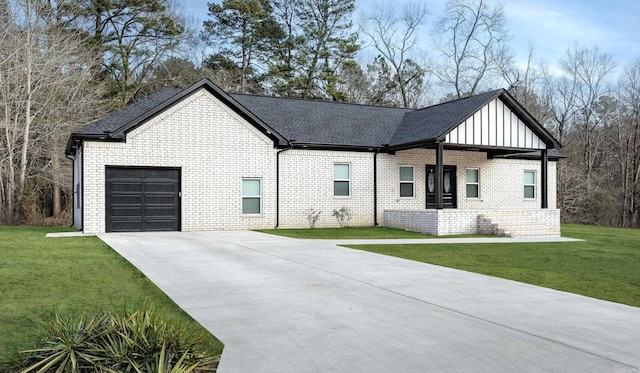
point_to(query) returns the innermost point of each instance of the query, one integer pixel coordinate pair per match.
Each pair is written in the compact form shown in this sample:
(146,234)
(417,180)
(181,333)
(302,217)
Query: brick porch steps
(520,227)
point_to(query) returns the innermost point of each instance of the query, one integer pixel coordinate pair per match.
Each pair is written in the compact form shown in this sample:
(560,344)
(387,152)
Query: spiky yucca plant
(138,341)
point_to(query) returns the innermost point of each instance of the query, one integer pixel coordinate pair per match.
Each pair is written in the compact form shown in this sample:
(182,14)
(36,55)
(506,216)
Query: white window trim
(413,182)
(534,185)
(258,196)
(333,188)
(467,183)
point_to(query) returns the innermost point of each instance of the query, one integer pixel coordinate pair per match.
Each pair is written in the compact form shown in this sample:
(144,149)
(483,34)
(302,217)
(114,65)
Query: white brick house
(201,159)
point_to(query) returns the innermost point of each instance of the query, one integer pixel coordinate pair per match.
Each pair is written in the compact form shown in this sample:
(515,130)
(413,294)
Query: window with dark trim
(251,196)
(529,184)
(407,184)
(341,180)
(473,183)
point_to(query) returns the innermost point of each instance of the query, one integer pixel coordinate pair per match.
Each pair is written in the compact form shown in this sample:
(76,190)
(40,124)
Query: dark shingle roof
(325,122)
(130,113)
(313,122)
(435,121)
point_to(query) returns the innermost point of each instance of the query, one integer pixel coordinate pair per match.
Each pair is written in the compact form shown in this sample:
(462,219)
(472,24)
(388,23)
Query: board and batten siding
(495,125)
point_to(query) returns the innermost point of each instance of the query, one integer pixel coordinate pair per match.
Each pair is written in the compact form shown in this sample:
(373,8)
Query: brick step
(519,228)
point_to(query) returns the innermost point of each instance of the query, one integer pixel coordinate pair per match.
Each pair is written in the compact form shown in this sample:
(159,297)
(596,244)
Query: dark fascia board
(76,139)
(120,133)
(337,147)
(428,143)
(526,155)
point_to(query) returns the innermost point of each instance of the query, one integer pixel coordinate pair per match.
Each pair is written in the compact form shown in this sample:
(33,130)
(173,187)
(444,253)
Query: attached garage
(142,199)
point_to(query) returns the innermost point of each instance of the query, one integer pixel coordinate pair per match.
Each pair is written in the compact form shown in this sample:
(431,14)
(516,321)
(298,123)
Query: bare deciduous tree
(627,141)
(394,38)
(472,40)
(44,88)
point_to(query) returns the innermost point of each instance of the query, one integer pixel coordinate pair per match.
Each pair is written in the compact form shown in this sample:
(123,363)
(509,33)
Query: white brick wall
(306,181)
(215,149)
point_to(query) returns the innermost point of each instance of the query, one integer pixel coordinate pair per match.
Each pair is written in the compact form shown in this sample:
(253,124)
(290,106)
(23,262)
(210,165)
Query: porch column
(544,179)
(439,176)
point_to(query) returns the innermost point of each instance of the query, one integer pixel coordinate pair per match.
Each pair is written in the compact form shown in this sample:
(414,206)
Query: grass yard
(351,233)
(72,275)
(606,265)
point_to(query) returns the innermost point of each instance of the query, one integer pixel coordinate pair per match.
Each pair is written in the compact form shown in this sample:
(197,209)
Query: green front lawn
(71,275)
(351,233)
(606,265)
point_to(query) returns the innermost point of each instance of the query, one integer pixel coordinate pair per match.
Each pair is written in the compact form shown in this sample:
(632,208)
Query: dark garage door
(142,199)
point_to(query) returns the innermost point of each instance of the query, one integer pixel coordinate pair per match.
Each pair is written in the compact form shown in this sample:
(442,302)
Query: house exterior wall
(214,148)
(306,182)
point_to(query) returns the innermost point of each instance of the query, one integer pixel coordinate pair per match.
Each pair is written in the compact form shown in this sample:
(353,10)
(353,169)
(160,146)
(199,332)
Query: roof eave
(76,138)
(343,147)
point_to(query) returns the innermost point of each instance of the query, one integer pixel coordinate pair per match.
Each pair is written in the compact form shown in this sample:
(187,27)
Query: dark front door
(448,187)
(142,199)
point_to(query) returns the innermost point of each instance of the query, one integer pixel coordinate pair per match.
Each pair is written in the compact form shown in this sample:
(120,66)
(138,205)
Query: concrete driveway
(287,305)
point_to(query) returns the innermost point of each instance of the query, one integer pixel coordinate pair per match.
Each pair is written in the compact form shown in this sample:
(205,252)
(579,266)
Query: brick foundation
(515,223)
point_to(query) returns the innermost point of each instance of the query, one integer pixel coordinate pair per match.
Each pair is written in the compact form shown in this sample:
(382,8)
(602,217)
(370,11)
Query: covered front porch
(505,192)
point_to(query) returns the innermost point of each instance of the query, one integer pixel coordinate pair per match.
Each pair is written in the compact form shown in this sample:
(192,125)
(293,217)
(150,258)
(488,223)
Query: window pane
(472,191)
(472,176)
(251,205)
(529,191)
(530,177)
(341,188)
(341,171)
(251,187)
(406,189)
(406,173)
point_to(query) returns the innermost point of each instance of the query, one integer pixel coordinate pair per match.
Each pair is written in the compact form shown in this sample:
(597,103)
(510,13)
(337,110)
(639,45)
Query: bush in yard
(138,341)
(312,217)
(343,215)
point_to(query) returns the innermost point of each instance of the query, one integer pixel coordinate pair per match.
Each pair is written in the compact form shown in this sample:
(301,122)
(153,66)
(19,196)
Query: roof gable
(115,126)
(431,123)
(495,124)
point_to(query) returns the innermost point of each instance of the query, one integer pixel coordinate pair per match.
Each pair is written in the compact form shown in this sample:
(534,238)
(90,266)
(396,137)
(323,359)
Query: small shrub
(343,215)
(139,341)
(312,217)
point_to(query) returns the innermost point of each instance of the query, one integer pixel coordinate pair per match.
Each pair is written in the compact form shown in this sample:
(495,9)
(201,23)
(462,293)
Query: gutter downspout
(278,183)
(375,188)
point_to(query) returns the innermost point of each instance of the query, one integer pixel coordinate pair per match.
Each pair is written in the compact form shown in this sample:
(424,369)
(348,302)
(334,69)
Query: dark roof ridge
(322,101)
(496,91)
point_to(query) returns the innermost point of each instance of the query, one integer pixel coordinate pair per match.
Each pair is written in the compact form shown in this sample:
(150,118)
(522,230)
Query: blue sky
(552,25)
